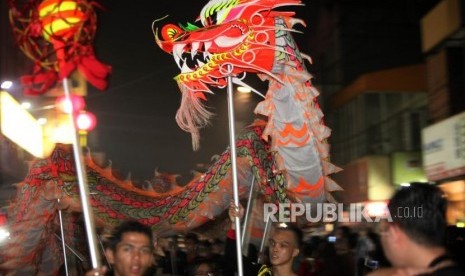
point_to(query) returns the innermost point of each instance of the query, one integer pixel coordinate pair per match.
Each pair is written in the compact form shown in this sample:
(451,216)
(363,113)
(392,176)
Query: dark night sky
(136,126)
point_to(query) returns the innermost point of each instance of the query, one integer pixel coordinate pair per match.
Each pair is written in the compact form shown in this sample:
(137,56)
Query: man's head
(419,220)
(166,243)
(203,267)
(191,240)
(342,235)
(284,244)
(218,247)
(129,249)
(204,249)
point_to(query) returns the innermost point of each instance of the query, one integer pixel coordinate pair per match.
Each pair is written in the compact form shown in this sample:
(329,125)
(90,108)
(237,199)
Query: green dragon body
(34,217)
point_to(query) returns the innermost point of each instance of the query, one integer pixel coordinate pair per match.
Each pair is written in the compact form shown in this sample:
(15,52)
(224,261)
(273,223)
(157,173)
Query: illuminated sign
(444,148)
(20,126)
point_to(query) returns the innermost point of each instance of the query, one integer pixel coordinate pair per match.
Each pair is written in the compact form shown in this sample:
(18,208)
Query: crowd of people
(403,246)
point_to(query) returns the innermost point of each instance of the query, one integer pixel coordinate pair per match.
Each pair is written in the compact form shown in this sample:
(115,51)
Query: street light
(86,121)
(42,121)
(6,85)
(4,234)
(243,89)
(26,105)
(75,104)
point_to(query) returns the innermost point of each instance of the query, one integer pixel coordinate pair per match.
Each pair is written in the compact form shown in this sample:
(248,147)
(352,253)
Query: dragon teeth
(207,45)
(177,52)
(178,60)
(195,47)
(185,68)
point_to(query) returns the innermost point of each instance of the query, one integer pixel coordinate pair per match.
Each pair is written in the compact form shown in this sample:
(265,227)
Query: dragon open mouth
(191,61)
(192,50)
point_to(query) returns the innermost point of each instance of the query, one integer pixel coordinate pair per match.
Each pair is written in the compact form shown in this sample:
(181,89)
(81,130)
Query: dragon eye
(171,32)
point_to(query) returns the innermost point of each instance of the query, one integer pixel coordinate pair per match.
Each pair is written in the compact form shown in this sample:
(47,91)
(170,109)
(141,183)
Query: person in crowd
(363,249)
(191,241)
(455,243)
(204,249)
(306,265)
(284,246)
(327,261)
(129,251)
(218,252)
(204,267)
(170,260)
(377,255)
(252,252)
(344,244)
(414,241)
(342,239)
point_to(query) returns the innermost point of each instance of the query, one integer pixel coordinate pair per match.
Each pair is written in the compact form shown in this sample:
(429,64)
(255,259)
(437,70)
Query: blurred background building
(13,64)
(390,71)
(35,117)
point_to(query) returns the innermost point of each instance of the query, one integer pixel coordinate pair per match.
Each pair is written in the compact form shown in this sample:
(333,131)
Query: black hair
(214,266)
(252,252)
(126,227)
(192,236)
(292,227)
(345,231)
(420,211)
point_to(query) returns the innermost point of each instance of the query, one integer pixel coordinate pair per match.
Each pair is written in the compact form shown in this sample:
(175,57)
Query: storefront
(444,162)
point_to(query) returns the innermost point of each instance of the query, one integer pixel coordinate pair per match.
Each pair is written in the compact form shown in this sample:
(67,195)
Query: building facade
(443,45)
(371,69)
(392,76)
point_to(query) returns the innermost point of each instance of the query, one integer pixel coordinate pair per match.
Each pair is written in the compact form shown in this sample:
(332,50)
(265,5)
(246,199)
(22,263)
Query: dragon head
(235,36)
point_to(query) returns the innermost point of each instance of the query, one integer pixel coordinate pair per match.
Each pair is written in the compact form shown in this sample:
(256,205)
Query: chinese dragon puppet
(286,154)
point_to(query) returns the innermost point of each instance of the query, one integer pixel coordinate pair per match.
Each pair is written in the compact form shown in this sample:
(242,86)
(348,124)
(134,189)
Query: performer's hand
(97,272)
(235,212)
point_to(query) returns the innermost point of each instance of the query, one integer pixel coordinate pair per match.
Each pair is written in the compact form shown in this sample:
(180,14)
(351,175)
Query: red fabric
(38,82)
(3,220)
(93,70)
(231,234)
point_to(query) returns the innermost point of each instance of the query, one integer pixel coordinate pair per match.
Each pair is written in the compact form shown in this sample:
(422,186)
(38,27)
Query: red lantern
(86,121)
(60,19)
(57,35)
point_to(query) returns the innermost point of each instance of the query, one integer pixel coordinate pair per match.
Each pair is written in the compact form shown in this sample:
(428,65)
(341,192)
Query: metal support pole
(247,211)
(103,250)
(265,235)
(63,244)
(79,256)
(232,143)
(83,186)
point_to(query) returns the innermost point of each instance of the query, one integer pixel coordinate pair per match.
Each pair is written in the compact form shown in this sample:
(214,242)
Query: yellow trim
(264,271)
(213,62)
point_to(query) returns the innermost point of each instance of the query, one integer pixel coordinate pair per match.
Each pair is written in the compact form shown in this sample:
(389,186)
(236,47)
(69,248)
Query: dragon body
(286,155)
(51,185)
